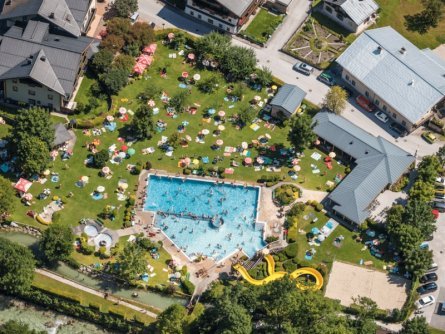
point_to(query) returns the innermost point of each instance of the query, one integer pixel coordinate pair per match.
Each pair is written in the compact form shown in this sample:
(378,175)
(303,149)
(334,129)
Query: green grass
(86,299)
(263,25)
(436,331)
(392,14)
(350,250)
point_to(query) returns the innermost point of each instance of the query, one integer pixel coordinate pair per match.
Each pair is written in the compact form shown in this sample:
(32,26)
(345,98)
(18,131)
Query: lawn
(349,250)
(87,299)
(262,26)
(436,331)
(392,14)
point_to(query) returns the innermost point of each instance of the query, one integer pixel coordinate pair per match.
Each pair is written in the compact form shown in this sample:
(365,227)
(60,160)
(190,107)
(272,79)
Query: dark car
(430,277)
(439,206)
(397,128)
(429,287)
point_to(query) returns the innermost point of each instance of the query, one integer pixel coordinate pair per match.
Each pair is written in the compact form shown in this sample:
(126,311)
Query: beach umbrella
(219,142)
(151,150)
(260,160)
(195,161)
(106,170)
(185,75)
(221,113)
(171,35)
(274,87)
(139,68)
(295,162)
(221,127)
(297,168)
(170,149)
(205,132)
(187,161)
(124,148)
(27,196)
(123,185)
(100,189)
(332,154)
(197,77)
(151,103)
(122,155)
(188,138)
(131,151)
(110,118)
(211,111)
(191,56)
(244,145)
(84,179)
(268,136)
(46,172)
(248,160)
(54,154)
(122,110)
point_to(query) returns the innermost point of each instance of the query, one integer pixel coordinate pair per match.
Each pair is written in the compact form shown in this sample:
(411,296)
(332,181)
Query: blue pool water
(186,201)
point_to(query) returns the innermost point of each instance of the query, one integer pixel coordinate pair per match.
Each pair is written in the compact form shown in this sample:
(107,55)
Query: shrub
(289,266)
(148,165)
(87,249)
(296,210)
(291,250)
(271,239)
(285,194)
(319,207)
(100,158)
(282,256)
(72,263)
(187,171)
(188,286)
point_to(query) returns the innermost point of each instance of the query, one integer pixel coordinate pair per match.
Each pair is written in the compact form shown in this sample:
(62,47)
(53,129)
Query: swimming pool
(203,217)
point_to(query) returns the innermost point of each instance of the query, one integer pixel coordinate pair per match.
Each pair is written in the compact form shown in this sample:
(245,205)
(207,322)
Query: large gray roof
(61,135)
(237,7)
(412,82)
(357,10)
(62,56)
(55,11)
(379,164)
(289,97)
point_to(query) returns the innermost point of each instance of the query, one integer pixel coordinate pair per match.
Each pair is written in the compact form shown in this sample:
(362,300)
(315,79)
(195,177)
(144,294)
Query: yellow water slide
(280,274)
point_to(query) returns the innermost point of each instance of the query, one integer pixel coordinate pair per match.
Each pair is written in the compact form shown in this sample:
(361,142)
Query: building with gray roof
(71,17)
(287,101)
(354,15)
(61,135)
(41,68)
(225,15)
(376,163)
(407,83)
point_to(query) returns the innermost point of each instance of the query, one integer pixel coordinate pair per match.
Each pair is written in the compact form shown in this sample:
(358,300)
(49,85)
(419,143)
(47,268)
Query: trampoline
(103,240)
(91,230)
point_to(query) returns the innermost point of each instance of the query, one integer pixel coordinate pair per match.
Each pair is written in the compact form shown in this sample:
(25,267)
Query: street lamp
(163,26)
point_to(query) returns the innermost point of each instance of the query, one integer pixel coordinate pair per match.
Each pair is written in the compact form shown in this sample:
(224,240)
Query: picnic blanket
(229,171)
(316,156)
(255,127)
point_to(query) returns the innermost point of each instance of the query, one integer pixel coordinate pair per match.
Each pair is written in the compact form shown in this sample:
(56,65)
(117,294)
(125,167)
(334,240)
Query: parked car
(425,301)
(439,206)
(303,68)
(327,78)
(430,277)
(440,180)
(382,116)
(429,137)
(429,287)
(433,267)
(397,128)
(439,195)
(439,200)
(365,103)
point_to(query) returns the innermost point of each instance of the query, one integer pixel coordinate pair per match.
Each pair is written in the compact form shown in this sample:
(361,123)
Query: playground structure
(280,274)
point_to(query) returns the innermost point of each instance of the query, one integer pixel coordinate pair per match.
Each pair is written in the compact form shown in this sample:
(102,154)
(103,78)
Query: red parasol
(185,75)
(191,56)
(23,185)
(124,148)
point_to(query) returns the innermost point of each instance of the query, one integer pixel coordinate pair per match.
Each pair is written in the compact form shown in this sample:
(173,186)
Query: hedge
(292,250)
(188,286)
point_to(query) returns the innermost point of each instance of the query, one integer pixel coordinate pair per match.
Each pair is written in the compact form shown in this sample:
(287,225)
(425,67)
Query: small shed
(61,135)
(287,101)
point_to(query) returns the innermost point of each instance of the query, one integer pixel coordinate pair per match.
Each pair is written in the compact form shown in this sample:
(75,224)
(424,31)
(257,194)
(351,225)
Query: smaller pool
(91,230)
(103,239)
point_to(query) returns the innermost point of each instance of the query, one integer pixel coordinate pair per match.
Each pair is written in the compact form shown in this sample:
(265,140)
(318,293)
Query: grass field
(392,13)
(436,331)
(87,299)
(262,26)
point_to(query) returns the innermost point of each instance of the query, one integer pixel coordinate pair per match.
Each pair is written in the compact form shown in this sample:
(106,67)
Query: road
(94,292)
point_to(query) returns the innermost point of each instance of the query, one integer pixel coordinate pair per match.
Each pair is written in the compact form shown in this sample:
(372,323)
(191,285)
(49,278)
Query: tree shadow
(420,22)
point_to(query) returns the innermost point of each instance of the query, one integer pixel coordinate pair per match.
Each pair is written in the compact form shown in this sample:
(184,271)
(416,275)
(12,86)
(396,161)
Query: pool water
(206,218)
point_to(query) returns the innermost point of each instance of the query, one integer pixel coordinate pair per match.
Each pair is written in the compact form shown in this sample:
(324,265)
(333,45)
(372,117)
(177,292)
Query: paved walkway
(94,292)
(130,230)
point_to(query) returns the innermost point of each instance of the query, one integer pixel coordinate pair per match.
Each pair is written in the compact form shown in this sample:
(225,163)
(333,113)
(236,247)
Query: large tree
(124,62)
(57,243)
(301,133)
(7,202)
(212,46)
(428,18)
(142,123)
(33,122)
(416,325)
(113,43)
(264,76)
(428,168)
(15,327)
(364,321)
(17,266)
(140,34)
(172,320)
(418,261)
(114,80)
(335,100)
(132,262)
(238,62)
(418,213)
(32,155)
(125,8)
(422,191)
(246,115)
(101,61)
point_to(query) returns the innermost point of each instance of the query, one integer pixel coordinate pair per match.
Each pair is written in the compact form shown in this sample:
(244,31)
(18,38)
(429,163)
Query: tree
(141,34)
(100,159)
(428,168)
(114,80)
(150,92)
(264,76)
(15,327)
(124,63)
(172,320)
(422,191)
(428,18)
(418,213)
(33,122)
(238,62)
(407,238)
(132,262)
(101,61)
(416,325)
(366,312)
(441,155)
(32,155)
(246,115)
(119,26)
(17,266)
(212,46)
(301,134)
(142,123)
(335,100)
(113,43)
(7,202)
(208,85)
(178,101)
(125,8)
(418,261)
(57,243)
(174,140)
(394,218)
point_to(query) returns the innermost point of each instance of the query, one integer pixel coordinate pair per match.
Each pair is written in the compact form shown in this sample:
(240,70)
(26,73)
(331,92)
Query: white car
(425,301)
(303,68)
(382,116)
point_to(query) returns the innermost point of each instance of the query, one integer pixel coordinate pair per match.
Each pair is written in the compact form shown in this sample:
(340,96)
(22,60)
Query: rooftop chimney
(379,49)
(51,15)
(43,58)
(402,50)
(411,83)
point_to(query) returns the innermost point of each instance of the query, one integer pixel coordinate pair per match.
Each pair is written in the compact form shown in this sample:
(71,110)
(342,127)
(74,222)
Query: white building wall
(219,23)
(347,23)
(21,92)
(89,14)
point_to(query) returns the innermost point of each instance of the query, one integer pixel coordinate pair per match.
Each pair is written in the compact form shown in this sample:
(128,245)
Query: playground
(313,279)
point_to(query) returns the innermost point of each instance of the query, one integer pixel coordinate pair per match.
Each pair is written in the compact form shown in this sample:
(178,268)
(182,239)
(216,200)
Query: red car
(365,103)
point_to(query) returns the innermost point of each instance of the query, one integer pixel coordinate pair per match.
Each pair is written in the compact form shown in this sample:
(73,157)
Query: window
(38,102)
(367,94)
(14,81)
(210,21)
(31,101)
(340,16)
(50,106)
(394,115)
(384,108)
(404,123)
(377,102)
(31,92)
(192,13)
(15,89)
(50,96)
(353,82)
(347,77)
(328,9)
(227,28)
(220,25)
(199,16)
